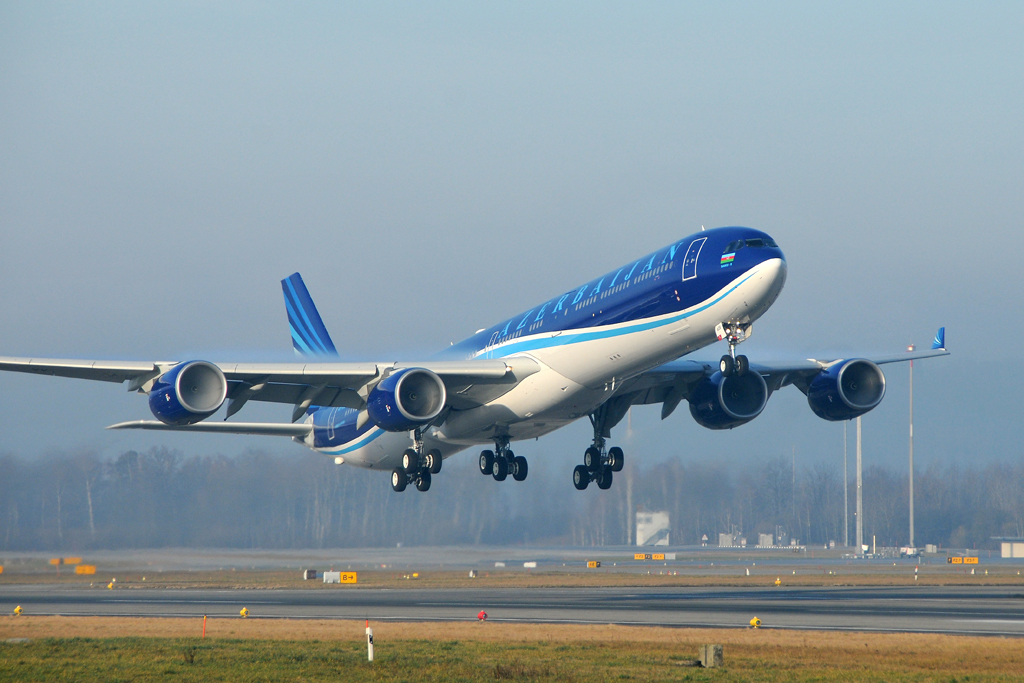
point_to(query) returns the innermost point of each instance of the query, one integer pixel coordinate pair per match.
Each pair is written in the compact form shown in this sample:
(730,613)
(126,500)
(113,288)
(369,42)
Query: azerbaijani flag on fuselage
(727,259)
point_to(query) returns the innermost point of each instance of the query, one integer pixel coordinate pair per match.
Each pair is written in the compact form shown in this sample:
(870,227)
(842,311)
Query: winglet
(309,336)
(940,339)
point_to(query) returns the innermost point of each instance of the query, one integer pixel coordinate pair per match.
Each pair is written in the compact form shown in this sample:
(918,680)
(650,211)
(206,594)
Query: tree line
(162,498)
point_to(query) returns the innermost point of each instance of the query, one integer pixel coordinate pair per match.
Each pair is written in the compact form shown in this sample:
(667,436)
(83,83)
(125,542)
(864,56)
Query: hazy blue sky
(431,169)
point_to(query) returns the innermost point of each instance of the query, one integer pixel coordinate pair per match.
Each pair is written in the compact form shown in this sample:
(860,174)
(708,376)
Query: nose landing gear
(735,334)
(502,462)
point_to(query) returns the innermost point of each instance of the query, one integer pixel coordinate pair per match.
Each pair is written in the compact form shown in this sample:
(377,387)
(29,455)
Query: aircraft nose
(774,272)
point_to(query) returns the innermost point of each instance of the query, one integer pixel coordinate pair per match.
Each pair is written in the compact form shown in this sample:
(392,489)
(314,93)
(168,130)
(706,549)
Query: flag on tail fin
(309,336)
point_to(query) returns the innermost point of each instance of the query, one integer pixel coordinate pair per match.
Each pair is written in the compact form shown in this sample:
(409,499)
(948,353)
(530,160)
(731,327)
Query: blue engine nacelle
(846,390)
(188,392)
(721,402)
(406,399)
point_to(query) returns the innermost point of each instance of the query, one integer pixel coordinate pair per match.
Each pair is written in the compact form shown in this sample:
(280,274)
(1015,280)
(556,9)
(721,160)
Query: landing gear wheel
(604,478)
(399,479)
(727,365)
(486,462)
(580,477)
(616,459)
(423,483)
(742,365)
(592,459)
(499,470)
(519,468)
(410,460)
(434,460)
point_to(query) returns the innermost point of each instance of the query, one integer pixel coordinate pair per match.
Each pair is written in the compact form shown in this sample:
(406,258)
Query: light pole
(860,495)
(911,478)
(846,492)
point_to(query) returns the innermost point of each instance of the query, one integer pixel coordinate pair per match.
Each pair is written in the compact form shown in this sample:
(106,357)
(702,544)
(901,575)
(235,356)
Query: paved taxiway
(961,610)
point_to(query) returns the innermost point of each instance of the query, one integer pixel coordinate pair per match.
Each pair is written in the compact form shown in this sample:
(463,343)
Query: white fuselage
(580,372)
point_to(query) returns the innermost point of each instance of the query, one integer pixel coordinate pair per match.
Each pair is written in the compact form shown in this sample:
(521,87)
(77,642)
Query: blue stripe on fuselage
(563,340)
(345,433)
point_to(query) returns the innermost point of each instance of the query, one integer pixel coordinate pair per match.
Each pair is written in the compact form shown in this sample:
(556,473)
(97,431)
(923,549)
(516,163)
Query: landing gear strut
(598,464)
(734,334)
(502,462)
(417,466)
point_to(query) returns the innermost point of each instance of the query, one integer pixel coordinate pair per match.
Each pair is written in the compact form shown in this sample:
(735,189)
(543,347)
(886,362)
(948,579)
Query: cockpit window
(753,243)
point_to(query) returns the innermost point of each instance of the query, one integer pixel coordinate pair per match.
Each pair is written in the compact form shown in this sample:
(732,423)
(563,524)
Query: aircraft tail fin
(309,336)
(940,339)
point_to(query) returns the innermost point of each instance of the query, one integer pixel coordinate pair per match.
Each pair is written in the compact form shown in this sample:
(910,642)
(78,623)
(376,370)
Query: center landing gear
(734,334)
(417,466)
(502,462)
(598,464)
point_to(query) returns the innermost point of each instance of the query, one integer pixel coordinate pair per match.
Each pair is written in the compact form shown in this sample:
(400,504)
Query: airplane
(593,351)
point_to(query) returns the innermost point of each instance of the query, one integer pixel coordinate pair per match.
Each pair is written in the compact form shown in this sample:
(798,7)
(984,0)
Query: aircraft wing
(670,383)
(469,383)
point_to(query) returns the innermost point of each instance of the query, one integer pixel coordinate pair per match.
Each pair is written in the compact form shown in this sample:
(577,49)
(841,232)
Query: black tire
(727,365)
(616,459)
(592,459)
(399,479)
(742,365)
(486,462)
(580,477)
(499,470)
(434,460)
(410,460)
(423,483)
(520,468)
(604,478)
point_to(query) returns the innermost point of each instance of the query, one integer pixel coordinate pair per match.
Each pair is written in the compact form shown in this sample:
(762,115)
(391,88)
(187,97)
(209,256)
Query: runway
(952,610)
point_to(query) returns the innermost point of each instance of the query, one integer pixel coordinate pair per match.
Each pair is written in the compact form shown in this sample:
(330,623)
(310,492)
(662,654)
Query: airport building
(652,528)
(1011,547)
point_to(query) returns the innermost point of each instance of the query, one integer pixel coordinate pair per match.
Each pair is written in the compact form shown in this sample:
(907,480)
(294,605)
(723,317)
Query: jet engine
(406,399)
(846,390)
(188,392)
(721,402)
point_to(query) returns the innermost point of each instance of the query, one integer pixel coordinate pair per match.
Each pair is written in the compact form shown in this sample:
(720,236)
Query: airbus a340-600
(593,351)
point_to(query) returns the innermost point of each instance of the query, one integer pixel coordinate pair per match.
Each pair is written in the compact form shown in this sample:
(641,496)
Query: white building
(652,528)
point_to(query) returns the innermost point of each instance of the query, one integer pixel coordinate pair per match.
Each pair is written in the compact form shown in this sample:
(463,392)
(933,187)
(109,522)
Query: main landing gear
(598,464)
(417,466)
(734,334)
(502,462)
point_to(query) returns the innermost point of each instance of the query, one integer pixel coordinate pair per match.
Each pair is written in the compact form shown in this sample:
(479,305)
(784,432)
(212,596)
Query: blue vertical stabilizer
(309,336)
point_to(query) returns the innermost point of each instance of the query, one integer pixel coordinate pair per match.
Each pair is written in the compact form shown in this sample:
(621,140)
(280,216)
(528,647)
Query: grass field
(732,576)
(126,649)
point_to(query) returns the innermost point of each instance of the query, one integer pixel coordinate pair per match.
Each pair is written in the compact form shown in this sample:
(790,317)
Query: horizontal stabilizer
(258,428)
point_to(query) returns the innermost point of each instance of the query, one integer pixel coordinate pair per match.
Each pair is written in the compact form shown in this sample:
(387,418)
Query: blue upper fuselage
(674,278)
